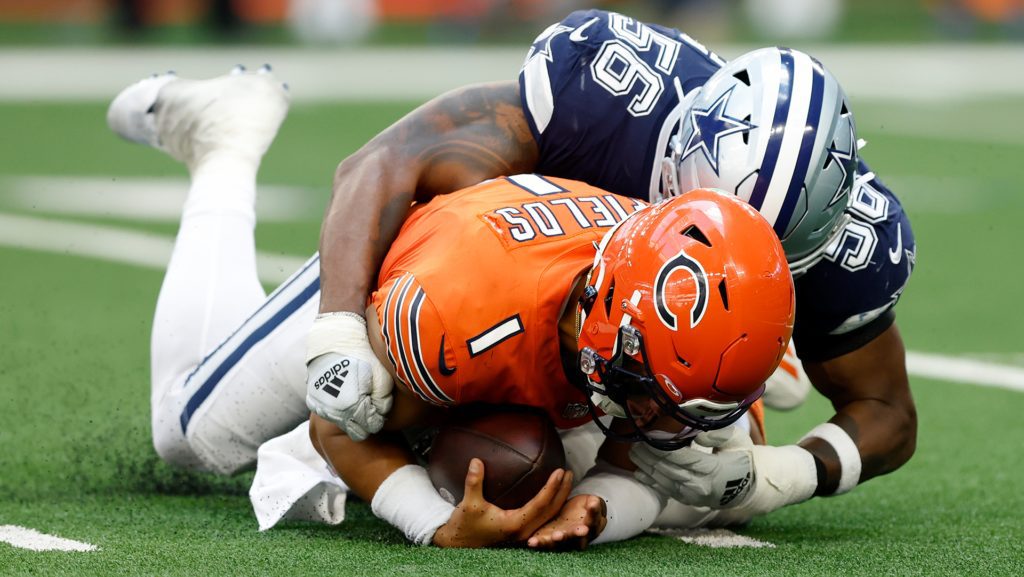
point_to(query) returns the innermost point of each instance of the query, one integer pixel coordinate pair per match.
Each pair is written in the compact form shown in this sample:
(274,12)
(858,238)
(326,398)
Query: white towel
(293,482)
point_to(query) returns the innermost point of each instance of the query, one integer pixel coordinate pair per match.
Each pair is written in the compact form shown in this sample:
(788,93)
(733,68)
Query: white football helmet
(772,127)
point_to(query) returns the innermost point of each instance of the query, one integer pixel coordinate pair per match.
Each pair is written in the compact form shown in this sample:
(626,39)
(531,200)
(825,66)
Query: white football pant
(228,363)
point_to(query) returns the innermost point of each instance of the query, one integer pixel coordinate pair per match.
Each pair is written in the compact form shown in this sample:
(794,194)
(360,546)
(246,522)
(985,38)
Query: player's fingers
(564,488)
(544,505)
(540,540)
(546,538)
(547,493)
(354,431)
(601,518)
(568,540)
(474,489)
(556,504)
(643,477)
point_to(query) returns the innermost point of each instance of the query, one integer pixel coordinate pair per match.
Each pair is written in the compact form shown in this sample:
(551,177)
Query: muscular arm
(870,392)
(364,465)
(453,141)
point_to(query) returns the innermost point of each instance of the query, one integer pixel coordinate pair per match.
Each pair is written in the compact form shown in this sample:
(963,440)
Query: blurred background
(87,223)
(493,21)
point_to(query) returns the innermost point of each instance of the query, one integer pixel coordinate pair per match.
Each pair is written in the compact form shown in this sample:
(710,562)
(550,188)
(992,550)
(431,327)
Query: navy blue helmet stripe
(771,155)
(261,332)
(810,134)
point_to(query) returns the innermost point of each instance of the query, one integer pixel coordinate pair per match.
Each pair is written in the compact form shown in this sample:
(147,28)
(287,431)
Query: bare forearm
(362,465)
(358,228)
(454,141)
(885,437)
(870,391)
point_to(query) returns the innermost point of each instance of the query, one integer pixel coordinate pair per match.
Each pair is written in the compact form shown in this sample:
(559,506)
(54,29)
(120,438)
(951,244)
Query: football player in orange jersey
(496,294)
(680,327)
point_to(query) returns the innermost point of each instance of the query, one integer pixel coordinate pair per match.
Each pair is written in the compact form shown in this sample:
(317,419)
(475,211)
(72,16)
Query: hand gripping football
(519,446)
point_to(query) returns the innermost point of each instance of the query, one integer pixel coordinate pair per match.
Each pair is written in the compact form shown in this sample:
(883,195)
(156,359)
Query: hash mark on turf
(25,538)
(715,538)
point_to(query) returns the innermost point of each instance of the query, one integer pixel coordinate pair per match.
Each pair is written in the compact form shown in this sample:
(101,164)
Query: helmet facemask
(612,381)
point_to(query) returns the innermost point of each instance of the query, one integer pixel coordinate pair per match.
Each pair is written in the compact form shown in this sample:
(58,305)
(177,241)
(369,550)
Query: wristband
(632,506)
(845,448)
(334,314)
(334,332)
(408,500)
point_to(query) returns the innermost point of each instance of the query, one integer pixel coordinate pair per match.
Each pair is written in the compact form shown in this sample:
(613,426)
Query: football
(519,446)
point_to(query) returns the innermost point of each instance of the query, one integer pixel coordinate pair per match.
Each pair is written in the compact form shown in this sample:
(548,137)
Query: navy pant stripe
(203,392)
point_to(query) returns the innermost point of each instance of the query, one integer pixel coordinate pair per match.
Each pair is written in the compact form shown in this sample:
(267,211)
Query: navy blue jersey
(599,95)
(598,92)
(846,299)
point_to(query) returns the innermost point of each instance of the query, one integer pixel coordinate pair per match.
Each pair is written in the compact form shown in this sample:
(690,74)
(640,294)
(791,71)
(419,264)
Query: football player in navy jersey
(646,111)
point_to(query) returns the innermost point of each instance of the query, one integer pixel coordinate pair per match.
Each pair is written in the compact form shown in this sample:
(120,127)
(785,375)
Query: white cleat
(237,114)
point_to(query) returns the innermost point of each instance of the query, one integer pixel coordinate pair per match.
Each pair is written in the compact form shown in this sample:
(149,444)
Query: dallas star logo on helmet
(710,125)
(842,158)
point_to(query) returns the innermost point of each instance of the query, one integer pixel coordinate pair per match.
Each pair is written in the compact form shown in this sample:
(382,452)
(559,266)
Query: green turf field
(75,453)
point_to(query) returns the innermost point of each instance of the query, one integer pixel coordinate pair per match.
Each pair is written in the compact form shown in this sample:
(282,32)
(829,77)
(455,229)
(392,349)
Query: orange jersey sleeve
(472,290)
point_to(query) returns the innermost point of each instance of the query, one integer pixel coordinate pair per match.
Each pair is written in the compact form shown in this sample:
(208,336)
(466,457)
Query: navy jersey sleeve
(597,88)
(846,300)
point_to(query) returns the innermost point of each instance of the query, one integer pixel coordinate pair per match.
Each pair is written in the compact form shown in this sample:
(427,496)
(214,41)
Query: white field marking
(934,72)
(116,245)
(155,199)
(950,195)
(715,538)
(25,538)
(965,370)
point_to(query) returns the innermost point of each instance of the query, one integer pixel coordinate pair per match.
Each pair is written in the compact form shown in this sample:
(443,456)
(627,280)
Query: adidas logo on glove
(333,378)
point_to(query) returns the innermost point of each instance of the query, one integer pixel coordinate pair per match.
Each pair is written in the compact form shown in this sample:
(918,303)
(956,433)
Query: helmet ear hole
(724,293)
(695,233)
(746,133)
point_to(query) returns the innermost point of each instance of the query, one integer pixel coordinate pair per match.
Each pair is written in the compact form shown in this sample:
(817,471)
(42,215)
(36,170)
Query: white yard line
(155,199)
(153,251)
(25,538)
(965,371)
(116,245)
(714,538)
(915,73)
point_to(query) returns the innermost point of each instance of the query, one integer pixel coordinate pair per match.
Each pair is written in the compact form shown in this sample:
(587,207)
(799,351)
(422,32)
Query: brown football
(519,446)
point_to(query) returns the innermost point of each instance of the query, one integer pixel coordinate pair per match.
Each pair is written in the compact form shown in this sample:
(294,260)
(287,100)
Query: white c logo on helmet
(700,303)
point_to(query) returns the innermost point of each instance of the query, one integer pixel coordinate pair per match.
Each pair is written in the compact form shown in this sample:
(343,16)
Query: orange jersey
(472,290)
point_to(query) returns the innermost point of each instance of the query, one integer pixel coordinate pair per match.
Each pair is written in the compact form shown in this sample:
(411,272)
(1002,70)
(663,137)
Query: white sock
(211,285)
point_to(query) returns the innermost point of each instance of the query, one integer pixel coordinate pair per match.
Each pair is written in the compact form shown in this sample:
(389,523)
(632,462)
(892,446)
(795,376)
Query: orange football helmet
(691,302)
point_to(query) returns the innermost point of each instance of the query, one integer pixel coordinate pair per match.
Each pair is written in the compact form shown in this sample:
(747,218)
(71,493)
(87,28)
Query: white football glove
(346,384)
(725,470)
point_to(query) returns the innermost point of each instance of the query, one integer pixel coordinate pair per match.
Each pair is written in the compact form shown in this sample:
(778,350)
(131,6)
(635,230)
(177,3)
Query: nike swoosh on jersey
(445,371)
(577,34)
(896,255)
